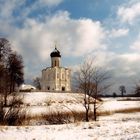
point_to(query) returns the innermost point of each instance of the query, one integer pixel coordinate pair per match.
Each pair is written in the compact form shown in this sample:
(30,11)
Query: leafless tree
(100,79)
(136,89)
(36,83)
(92,81)
(5,51)
(11,74)
(11,69)
(15,69)
(122,89)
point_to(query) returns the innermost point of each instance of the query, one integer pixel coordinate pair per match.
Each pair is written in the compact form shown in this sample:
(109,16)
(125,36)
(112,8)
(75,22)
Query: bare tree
(5,51)
(84,80)
(92,81)
(11,69)
(122,89)
(36,83)
(136,89)
(15,69)
(100,79)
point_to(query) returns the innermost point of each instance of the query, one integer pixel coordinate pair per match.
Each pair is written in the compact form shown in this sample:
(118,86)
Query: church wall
(56,78)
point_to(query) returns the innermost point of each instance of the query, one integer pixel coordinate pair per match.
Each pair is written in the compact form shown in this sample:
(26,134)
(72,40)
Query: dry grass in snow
(42,106)
(114,127)
(43,102)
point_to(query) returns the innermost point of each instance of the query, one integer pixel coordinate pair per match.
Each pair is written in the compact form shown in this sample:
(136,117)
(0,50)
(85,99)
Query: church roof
(55,53)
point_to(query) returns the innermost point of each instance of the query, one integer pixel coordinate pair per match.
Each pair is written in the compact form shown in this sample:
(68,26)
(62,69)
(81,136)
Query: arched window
(55,63)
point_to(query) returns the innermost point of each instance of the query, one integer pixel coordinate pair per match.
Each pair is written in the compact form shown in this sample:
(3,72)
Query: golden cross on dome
(55,44)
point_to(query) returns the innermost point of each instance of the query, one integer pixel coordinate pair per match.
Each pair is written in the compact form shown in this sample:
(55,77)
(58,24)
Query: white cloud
(90,35)
(75,37)
(35,40)
(118,32)
(15,10)
(7,8)
(129,13)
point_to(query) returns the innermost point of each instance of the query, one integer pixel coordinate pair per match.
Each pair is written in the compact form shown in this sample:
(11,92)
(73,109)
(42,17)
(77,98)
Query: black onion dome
(55,53)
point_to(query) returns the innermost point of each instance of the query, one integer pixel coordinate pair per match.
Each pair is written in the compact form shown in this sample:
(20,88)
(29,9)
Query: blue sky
(107,30)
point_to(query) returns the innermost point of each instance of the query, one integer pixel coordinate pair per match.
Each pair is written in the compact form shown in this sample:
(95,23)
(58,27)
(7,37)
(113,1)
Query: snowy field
(114,127)
(118,126)
(42,102)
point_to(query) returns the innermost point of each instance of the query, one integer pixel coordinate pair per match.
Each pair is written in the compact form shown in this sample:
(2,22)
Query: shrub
(58,118)
(12,114)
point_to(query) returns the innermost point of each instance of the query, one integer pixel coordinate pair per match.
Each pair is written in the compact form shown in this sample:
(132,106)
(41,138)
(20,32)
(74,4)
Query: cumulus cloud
(35,39)
(8,7)
(15,10)
(129,13)
(80,36)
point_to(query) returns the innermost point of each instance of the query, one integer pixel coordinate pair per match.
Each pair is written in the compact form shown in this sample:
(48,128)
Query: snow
(33,98)
(26,87)
(37,103)
(119,126)
(114,127)
(118,104)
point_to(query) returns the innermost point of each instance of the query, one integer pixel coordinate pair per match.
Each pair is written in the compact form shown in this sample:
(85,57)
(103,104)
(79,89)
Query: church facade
(56,78)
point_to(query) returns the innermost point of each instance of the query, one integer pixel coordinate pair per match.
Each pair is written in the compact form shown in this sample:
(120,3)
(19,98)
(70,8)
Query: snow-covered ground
(114,127)
(43,102)
(120,126)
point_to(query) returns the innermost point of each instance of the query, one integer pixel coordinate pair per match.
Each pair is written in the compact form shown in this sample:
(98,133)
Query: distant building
(56,78)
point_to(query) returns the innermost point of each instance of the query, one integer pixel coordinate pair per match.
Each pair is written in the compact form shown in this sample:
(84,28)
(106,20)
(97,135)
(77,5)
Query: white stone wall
(56,79)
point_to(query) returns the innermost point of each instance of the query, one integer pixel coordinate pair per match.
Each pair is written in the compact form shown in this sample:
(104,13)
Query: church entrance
(63,88)
(48,88)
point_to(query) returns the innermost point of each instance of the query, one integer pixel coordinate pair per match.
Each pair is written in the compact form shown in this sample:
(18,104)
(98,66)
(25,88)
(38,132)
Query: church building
(56,78)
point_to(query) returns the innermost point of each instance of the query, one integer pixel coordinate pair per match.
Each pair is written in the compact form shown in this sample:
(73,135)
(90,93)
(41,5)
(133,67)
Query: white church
(56,78)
